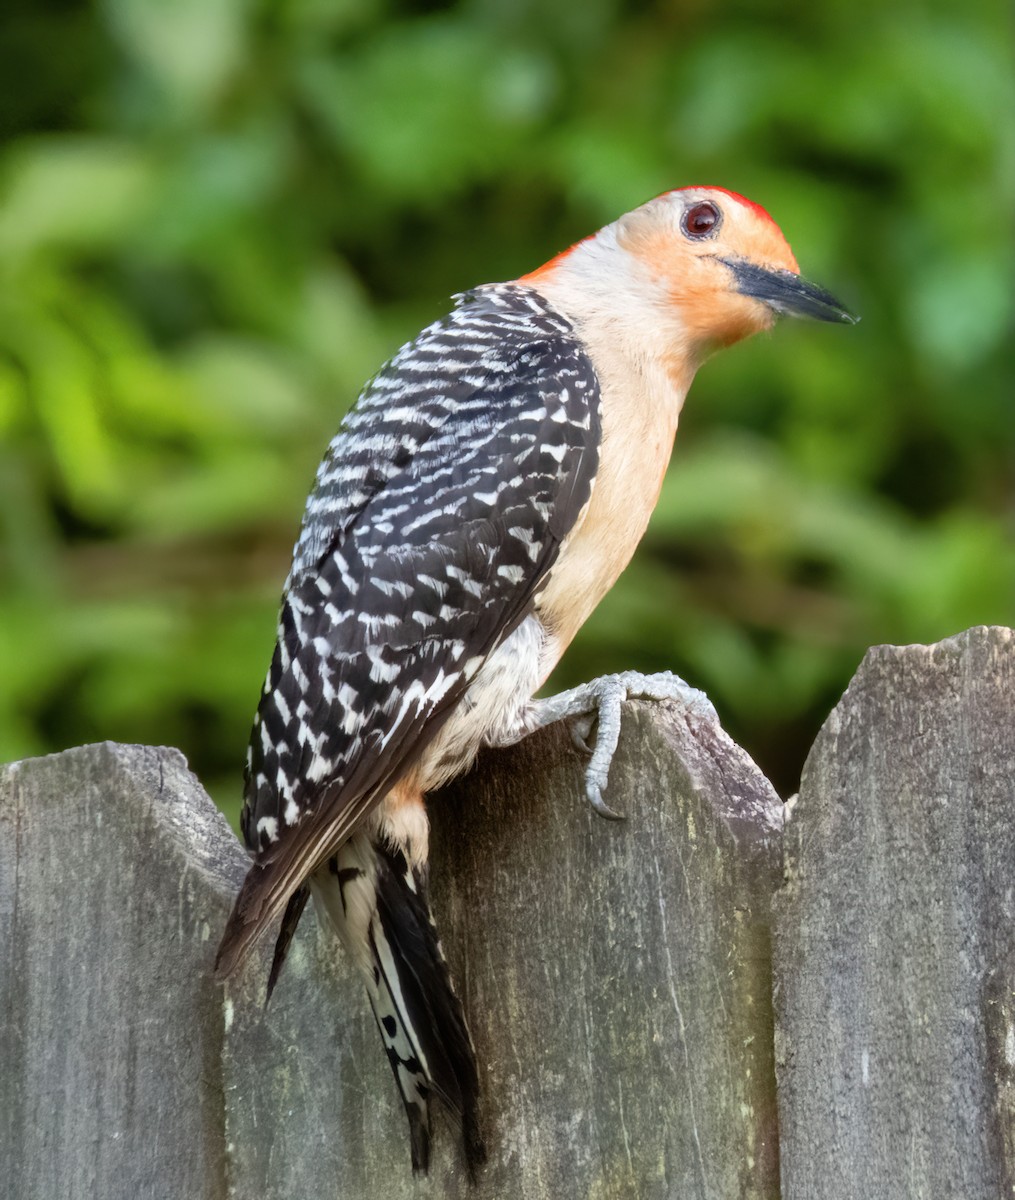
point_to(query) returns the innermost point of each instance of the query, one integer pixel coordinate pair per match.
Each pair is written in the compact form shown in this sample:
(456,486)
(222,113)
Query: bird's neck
(624,314)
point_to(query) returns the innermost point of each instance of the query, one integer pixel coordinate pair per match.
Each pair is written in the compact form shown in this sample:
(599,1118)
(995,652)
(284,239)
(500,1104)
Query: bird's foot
(593,710)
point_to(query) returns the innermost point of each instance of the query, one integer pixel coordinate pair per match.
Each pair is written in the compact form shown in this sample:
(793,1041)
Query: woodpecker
(485,492)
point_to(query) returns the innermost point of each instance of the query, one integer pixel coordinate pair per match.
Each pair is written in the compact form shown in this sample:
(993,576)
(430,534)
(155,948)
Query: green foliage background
(218,217)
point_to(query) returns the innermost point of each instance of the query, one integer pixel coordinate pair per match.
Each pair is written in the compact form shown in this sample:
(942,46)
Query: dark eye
(702,220)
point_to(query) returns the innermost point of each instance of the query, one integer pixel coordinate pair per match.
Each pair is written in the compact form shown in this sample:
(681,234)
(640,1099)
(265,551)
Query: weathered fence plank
(625,1010)
(116,875)
(895,934)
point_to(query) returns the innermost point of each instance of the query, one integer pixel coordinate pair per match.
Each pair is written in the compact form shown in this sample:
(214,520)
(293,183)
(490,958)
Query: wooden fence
(698,1002)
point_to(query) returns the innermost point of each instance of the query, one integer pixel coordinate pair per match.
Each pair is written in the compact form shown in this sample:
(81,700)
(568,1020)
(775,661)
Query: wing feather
(416,559)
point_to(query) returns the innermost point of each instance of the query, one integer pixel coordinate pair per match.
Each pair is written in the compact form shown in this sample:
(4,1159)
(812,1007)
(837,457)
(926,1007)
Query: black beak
(786,292)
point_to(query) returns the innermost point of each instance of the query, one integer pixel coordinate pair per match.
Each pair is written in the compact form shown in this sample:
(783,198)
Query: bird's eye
(701,220)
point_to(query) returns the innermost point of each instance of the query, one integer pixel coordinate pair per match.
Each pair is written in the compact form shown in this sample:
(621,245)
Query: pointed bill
(787,292)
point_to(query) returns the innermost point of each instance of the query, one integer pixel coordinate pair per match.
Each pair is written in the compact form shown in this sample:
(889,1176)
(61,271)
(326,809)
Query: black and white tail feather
(377,904)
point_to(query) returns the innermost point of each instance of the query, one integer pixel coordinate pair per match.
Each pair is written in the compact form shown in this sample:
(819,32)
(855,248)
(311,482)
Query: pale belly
(490,711)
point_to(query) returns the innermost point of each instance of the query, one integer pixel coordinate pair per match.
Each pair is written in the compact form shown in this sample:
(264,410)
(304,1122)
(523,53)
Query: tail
(378,906)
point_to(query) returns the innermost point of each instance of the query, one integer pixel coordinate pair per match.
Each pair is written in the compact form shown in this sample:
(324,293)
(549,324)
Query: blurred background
(219,217)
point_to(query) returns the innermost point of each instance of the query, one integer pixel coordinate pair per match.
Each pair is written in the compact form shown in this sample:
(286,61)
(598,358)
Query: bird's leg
(594,708)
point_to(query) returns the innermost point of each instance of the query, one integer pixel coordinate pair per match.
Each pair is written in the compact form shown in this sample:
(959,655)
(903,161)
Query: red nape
(555,261)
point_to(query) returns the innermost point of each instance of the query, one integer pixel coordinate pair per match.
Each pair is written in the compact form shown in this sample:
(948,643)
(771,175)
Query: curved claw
(595,798)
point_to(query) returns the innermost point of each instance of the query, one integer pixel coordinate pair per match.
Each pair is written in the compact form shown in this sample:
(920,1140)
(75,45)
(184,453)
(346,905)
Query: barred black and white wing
(436,516)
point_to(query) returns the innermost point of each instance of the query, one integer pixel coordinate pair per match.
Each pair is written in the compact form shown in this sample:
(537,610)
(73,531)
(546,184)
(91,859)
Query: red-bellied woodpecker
(486,491)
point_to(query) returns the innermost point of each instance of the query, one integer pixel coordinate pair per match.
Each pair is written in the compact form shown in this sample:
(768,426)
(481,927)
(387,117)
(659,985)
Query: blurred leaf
(72,192)
(961,309)
(190,47)
(244,387)
(424,107)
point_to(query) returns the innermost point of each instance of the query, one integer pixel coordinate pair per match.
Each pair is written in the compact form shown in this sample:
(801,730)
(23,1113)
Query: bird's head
(711,261)
(723,262)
